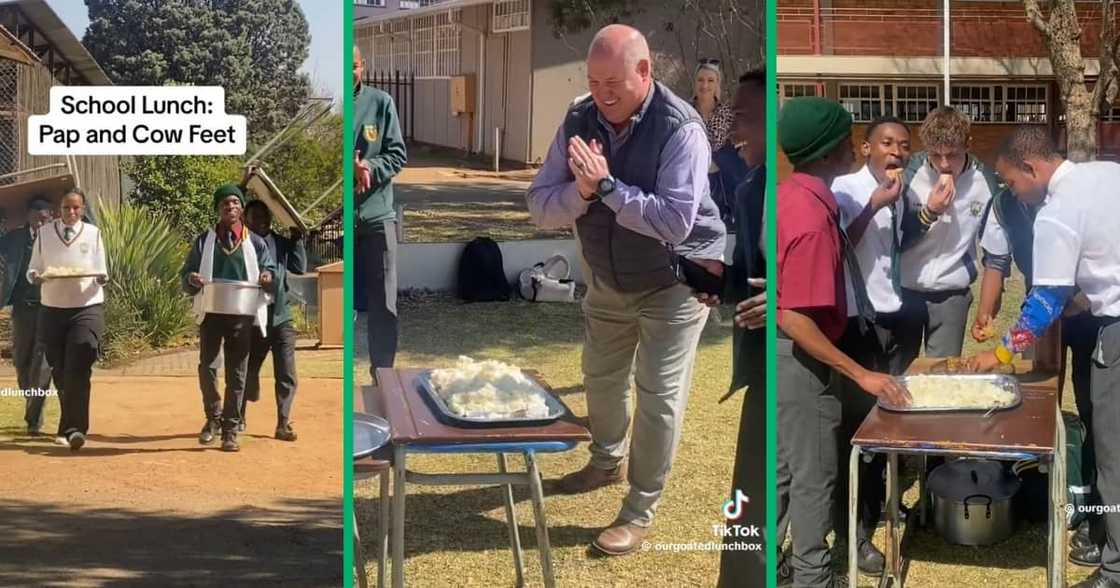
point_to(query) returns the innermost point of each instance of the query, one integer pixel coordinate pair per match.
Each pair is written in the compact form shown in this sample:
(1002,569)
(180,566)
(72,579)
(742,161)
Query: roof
(430,9)
(62,38)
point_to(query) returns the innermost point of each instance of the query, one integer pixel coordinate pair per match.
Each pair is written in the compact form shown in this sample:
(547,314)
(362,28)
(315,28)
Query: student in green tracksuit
(290,257)
(379,154)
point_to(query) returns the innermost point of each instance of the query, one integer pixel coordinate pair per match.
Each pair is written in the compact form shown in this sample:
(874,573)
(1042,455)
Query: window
(795,90)
(978,102)
(1026,104)
(865,102)
(511,15)
(913,103)
(377,3)
(380,58)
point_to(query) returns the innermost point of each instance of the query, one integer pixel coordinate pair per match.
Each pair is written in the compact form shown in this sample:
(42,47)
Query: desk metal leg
(398,515)
(853,502)
(383,528)
(537,493)
(894,535)
(922,491)
(359,556)
(1056,566)
(511,521)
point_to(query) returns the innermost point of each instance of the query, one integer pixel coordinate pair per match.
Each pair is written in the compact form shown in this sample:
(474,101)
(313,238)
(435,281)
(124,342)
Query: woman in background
(727,170)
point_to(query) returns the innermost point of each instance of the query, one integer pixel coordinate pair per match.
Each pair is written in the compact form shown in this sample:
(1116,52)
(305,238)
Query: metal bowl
(231,297)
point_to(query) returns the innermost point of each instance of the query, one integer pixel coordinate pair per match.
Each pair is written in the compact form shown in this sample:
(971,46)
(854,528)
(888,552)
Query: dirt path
(144,504)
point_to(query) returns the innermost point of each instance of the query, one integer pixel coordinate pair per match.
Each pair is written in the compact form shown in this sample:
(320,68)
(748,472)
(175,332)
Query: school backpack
(482,276)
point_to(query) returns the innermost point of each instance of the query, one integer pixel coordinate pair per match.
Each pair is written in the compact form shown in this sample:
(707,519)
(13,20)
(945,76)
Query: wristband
(1004,354)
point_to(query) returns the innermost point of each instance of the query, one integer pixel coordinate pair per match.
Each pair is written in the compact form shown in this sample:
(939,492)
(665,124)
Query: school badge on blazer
(370,132)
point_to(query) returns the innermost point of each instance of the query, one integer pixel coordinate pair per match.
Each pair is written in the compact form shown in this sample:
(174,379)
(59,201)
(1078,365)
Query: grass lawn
(457,536)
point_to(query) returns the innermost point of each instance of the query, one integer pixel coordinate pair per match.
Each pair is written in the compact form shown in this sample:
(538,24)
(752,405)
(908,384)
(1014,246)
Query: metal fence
(324,241)
(402,87)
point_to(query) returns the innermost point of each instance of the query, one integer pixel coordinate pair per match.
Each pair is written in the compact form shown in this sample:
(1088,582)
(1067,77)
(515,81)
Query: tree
(680,32)
(1062,33)
(180,188)
(307,165)
(253,48)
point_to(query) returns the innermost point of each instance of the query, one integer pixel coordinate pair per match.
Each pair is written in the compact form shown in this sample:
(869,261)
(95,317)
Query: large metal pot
(972,501)
(231,297)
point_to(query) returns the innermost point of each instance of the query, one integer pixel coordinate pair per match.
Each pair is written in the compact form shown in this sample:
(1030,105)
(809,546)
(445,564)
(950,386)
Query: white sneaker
(60,440)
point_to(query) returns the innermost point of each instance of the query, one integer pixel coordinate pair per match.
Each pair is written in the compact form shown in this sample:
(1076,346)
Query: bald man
(635,221)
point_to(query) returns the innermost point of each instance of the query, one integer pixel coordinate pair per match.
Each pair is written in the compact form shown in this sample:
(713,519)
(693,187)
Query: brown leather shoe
(590,478)
(621,538)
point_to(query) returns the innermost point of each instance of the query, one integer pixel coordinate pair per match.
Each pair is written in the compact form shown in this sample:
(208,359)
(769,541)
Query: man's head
(816,135)
(619,73)
(1027,160)
(886,145)
(945,137)
(749,108)
(708,79)
(229,200)
(359,66)
(258,218)
(73,206)
(38,211)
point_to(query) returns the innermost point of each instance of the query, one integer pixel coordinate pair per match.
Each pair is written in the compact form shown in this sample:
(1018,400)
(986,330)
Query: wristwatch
(604,188)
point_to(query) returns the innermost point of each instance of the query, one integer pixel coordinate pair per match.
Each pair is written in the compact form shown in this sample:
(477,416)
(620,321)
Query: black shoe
(1097,580)
(1081,537)
(284,432)
(869,559)
(1085,555)
(209,431)
(76,440)
(229,442)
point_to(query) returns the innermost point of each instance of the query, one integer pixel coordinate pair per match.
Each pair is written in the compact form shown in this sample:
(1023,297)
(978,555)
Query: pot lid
(957,480)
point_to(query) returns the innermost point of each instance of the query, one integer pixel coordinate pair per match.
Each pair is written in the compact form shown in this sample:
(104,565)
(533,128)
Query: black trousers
(742,568)
(379,257)
(1079,334)
(1105,398)
(72,340)
(232,336)
(281,342)
(30,359)
(877,349)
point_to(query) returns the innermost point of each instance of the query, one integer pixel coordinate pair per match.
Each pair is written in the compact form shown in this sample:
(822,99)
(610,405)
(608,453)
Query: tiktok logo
(733,509)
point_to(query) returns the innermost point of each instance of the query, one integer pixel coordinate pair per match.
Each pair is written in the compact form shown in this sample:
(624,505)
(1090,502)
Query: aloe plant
(145,307)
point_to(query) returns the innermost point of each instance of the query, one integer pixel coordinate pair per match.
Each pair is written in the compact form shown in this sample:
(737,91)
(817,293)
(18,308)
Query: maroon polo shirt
(810,258)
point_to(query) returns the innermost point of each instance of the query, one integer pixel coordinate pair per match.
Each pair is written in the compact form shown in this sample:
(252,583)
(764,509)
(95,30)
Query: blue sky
(323,18)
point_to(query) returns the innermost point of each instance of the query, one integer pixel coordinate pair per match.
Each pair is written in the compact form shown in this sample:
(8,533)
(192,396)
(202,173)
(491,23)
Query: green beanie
(225,191)
(810,127)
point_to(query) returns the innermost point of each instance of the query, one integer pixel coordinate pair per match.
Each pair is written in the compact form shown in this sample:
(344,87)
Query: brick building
(884,57)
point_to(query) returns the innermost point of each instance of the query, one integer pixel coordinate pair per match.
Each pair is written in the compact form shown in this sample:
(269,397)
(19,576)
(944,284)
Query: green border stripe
(771,294)
(347,297)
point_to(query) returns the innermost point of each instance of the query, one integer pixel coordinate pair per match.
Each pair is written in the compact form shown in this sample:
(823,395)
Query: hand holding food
(982,362)
(983,328)
(942,195)
(195,279)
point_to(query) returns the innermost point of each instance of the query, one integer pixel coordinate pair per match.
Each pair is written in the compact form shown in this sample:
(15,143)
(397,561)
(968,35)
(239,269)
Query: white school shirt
(85,251)
(945,258)
(1077,234)
(873,252)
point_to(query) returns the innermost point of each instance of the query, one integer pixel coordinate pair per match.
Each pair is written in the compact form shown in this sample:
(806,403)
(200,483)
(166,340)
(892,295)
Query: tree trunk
(1081,130)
